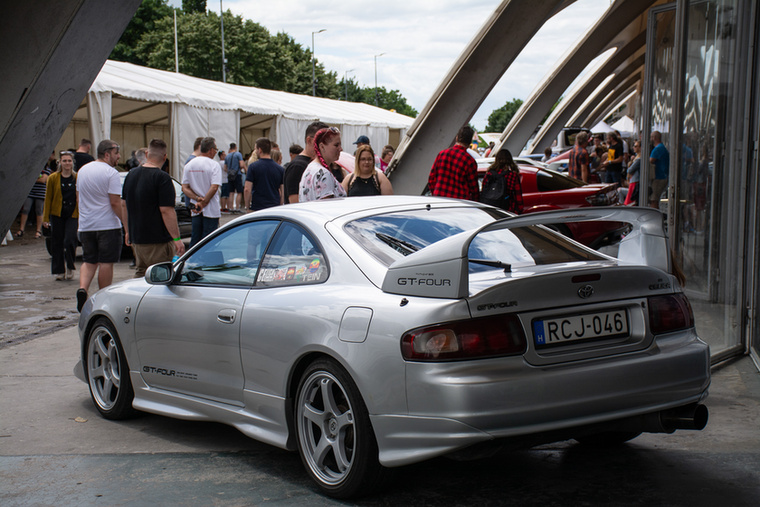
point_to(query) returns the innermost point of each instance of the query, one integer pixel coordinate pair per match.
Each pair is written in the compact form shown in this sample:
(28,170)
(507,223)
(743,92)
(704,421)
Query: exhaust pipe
(689,417)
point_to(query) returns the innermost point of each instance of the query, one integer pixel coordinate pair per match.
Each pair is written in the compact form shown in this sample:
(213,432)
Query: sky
(419,41)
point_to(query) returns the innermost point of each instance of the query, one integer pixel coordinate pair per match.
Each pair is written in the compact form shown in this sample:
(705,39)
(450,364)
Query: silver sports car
(370,333)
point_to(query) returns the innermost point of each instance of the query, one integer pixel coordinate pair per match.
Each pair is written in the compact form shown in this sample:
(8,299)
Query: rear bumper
(455,405)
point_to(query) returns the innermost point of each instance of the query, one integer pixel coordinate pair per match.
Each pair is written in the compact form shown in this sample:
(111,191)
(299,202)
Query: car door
(188,333)
(289,307)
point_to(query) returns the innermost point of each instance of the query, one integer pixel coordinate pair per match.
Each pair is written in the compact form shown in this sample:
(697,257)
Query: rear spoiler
(441,270)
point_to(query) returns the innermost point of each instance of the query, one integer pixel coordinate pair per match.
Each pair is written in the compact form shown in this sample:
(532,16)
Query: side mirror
(160,274)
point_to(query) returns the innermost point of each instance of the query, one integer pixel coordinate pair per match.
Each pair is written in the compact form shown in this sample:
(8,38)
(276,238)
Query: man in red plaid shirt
(578,163)
(455,172)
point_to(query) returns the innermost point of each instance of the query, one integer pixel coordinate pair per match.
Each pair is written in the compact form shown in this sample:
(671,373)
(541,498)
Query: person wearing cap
(361,141)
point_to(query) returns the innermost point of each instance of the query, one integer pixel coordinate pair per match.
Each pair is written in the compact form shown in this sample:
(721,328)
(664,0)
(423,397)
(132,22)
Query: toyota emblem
(585,292)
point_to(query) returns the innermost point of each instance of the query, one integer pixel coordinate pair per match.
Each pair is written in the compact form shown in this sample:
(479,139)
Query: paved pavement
(56,450)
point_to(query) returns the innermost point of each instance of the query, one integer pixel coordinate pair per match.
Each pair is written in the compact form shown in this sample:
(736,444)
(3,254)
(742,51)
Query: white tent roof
(152,85)
(625,126)
(602,128)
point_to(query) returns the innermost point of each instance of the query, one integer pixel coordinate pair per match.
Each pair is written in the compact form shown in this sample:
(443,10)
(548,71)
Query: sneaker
(69,274)
(81,299)
(59,276)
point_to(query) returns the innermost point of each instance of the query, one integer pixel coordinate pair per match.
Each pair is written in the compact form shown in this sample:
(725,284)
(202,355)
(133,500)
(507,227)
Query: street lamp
(381,54)
(313,65)
(345,81)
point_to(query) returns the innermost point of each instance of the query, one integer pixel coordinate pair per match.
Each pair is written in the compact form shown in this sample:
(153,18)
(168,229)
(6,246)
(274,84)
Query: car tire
(608,438)
(334,433)
(107,372)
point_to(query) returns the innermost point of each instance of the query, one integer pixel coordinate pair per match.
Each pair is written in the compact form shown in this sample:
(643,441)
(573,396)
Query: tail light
(670,313)
(499,335)
(599,199)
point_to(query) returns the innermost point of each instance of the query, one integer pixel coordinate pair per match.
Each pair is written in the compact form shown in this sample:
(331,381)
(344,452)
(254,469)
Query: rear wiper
(401,246)
(493,264)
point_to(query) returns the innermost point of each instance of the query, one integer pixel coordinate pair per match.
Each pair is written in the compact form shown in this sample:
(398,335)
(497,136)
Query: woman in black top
(61,215)
(366,180)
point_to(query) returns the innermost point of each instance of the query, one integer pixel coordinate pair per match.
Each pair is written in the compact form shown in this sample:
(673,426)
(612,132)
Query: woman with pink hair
(318,181)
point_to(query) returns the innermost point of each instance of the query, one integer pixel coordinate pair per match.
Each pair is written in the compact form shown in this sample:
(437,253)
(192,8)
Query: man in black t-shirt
(150,221)
(264,179)
(614,163)
(82,155)
(296,167)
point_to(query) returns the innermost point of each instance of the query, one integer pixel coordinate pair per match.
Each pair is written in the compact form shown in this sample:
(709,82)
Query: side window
(232,258)
(293,258)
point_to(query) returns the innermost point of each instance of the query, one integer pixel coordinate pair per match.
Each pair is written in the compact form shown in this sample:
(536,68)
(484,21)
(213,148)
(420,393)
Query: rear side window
(293,258)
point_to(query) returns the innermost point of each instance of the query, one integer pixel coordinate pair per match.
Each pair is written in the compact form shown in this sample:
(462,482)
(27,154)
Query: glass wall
(705,180)
(662,46)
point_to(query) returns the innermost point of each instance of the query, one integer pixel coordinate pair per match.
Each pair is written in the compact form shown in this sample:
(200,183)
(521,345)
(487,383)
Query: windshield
(393,236)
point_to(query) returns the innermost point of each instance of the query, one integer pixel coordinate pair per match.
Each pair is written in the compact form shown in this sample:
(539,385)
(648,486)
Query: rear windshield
(392,236)
(550,181)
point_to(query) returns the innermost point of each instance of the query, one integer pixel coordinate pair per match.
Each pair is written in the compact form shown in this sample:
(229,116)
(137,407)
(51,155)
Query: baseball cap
(362,140)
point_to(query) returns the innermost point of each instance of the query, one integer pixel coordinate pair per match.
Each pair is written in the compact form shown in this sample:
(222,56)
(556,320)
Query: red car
(544,190)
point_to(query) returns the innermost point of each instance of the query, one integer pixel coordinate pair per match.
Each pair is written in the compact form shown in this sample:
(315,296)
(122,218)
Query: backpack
(496,193)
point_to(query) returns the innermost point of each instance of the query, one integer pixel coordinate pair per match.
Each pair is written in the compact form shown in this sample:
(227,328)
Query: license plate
(573,328)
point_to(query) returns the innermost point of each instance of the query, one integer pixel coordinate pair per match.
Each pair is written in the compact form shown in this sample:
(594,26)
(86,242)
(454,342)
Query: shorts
(658,187)
(101,246)
(225,189)
(236,185)
(148,254)
(39,206)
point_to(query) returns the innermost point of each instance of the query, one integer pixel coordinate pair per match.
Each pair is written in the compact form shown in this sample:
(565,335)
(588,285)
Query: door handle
(226,316)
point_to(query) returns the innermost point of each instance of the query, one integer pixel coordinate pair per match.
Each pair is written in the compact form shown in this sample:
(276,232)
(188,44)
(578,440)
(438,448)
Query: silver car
(371,333)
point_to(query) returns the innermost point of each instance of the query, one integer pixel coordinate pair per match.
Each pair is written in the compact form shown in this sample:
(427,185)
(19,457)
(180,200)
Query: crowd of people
(593,160)
(81,199)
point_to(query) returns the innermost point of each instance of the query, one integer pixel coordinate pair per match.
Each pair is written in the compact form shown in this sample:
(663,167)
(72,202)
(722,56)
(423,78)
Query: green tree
(386,99)
(499,118)
(254,57)
(144,20)
(191,6)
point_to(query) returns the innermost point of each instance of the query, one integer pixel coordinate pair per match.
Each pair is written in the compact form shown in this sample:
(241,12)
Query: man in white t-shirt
(99,201)
(201,179)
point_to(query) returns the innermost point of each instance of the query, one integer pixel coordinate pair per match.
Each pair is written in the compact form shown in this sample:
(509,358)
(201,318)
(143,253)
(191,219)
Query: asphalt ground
(56,450)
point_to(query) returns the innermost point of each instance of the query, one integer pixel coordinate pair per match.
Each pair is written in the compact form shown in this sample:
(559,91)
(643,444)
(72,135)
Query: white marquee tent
(625,126)
(132,104)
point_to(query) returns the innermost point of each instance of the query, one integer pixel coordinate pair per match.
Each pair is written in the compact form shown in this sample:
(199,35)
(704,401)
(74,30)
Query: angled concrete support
(51,55)
(473,76)
(603,33)
(612,91)
(571,103)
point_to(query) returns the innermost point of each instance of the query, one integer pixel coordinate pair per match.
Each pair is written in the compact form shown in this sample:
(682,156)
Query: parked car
(376,332)
(544,189)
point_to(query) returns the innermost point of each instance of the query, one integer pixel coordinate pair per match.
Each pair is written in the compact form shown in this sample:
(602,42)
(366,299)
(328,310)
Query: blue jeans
(202,227)
(612,176)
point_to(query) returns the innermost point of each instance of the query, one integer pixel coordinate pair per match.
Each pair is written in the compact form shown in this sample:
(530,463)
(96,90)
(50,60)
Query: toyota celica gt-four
(371,333)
